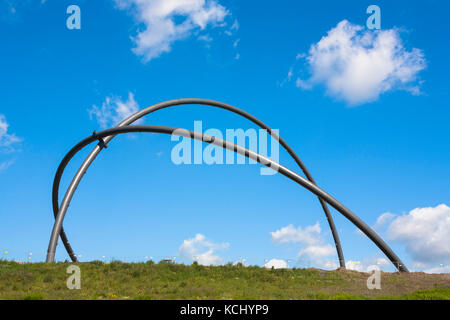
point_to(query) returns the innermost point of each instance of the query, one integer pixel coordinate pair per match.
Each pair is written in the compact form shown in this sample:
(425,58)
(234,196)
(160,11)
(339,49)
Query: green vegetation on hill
(117,280)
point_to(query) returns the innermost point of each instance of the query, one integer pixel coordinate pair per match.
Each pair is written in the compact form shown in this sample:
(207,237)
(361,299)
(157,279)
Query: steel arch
(238,149)
(87,162)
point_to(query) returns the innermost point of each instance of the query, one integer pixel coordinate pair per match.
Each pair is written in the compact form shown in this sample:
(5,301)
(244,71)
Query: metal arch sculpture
(238,149)
(187,101)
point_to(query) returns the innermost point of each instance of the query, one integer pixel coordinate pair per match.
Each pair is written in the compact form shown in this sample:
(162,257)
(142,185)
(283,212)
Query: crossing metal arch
(171,103)
(238,149)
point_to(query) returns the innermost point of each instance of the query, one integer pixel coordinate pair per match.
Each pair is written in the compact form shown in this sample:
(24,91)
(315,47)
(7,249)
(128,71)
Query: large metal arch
(186,101)
(238,149)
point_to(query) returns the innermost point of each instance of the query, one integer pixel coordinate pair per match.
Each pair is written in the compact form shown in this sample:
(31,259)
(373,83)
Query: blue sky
(372,127)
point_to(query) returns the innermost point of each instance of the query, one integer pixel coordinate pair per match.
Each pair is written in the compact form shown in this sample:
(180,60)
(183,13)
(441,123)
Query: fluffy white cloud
(114,110)
(316,252)
(166,21)
(276,264)
(425,232)
(310,235)
(6,139)
(202,250)
(357,65)
(313,247)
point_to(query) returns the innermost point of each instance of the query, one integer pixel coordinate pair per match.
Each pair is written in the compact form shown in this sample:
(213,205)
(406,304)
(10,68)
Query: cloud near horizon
(357,65)
(167,21)
(311,239)
(276,264)
(202,250)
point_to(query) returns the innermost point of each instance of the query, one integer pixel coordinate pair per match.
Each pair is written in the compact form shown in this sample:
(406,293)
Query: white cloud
(425,232)
(311,238)
(357,65)
(441,269)
(166,21)
(276,264)
(289,234)
(202,250)
(7,140)
(113,110)
(303,84)
(354,265)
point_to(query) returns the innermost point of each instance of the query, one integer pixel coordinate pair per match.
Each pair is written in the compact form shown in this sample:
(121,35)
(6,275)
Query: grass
(117,280)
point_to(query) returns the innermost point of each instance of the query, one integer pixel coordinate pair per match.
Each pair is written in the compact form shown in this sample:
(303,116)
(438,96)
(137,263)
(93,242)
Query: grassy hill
(117,280)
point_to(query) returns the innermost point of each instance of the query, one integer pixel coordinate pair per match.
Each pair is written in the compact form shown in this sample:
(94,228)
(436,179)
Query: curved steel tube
(238,149)
(87,162)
